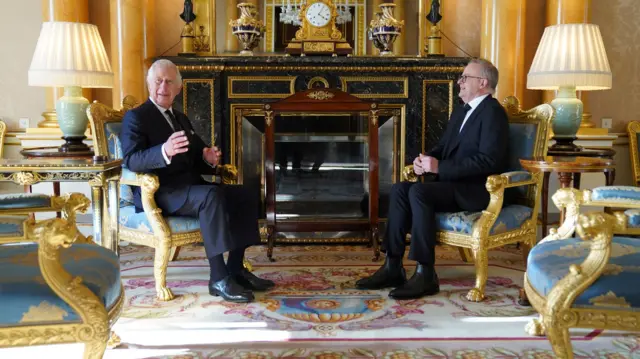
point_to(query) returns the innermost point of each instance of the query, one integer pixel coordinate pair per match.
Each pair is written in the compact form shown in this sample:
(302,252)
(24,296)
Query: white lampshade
(70,54)
(570,55)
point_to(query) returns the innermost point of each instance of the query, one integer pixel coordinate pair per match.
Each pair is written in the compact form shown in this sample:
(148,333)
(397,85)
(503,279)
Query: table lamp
(71,55)
(570,57)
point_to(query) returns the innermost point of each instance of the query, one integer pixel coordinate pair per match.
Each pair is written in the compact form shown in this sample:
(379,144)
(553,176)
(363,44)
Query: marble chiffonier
(321,159)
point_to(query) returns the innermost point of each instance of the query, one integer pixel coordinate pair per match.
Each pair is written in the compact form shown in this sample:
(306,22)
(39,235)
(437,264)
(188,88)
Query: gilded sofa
(586,282)
(474,233)
(148,228)
(57,286)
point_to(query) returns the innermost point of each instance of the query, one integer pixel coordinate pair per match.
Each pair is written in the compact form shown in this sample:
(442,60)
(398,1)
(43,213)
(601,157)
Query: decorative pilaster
(502,43)
(128,48)
(399,13)
(61,10)
(423,10)
(570,12)
(231,41)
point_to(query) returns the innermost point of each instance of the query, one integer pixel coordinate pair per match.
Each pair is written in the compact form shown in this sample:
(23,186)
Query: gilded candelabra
(385,29)
(247,28)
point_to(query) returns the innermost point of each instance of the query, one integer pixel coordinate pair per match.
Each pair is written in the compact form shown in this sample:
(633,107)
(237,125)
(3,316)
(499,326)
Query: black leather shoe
(391,274)
(423,282)
(250,281)
(230,290)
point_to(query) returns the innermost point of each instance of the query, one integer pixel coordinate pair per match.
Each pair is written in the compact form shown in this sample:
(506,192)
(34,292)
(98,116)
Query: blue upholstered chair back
(106,124)
(528,132)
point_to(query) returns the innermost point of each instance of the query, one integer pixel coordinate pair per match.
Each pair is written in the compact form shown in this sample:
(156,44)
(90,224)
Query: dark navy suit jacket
(468,157)
(144,130)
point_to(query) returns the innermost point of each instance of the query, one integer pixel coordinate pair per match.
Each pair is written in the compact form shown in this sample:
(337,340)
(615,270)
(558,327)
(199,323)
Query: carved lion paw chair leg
(502,223)
(586,282)
(148,228)
(61,287)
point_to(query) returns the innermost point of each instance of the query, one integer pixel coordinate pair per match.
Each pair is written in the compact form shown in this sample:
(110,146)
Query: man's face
(163,86)
(472,84)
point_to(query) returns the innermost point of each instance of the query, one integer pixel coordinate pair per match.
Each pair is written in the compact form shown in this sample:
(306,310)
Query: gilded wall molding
(259,68)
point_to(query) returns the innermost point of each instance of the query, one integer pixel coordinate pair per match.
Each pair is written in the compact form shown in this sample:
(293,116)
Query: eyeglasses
(463,78)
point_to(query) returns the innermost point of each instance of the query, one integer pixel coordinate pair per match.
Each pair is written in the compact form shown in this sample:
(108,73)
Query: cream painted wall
(20,23)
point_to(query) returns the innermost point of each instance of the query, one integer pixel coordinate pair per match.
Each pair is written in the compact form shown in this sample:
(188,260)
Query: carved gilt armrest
(570,200)
(52,235)
(69,204)
(496,186)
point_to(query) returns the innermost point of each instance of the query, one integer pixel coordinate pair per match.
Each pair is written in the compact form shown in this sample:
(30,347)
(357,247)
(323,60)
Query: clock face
(318,14)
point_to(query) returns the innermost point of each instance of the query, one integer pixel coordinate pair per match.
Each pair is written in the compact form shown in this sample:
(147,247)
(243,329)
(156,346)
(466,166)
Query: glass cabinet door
(321,166)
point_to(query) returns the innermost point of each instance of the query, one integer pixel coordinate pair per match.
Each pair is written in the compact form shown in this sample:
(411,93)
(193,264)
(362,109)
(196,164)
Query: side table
(566,167)
(53,153)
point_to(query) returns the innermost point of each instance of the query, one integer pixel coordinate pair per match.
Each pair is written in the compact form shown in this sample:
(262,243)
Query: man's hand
(212,155)
(417,166)
(429,164)
(177,143)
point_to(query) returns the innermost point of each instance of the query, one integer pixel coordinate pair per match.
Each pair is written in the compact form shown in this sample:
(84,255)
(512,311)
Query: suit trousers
(228,215)
(412,209)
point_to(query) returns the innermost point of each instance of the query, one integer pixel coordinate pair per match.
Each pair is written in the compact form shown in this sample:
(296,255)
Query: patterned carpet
(314,312)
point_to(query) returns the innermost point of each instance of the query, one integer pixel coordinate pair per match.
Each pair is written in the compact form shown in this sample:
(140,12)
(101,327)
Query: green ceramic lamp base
(567,120)
(71,110)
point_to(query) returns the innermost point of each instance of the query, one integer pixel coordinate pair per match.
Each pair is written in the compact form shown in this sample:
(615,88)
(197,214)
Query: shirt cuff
(207,162)
(167,160)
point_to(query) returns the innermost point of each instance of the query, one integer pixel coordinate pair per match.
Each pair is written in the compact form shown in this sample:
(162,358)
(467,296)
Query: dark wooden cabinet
(331,138)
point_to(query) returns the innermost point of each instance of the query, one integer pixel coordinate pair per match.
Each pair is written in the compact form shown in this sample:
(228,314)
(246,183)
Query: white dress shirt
(473,103)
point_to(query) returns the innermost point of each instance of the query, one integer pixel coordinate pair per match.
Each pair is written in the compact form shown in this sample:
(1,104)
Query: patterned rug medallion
(315,312)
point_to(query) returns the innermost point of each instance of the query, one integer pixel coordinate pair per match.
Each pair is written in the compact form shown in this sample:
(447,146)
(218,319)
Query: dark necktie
(174,122)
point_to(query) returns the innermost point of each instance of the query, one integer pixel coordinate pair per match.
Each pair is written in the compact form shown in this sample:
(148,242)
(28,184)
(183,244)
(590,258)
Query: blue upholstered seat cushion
(26,297)
(12,226)
(511,217)
(549,262)
(112,132)
(130,219)
(24,200)
(616,193)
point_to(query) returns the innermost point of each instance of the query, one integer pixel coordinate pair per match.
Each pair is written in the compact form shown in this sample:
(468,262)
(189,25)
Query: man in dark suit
(160,140)
(473,147)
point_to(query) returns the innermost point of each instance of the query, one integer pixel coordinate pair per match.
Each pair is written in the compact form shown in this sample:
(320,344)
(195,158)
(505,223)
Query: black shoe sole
(386,285)
(215,293)
(417,295)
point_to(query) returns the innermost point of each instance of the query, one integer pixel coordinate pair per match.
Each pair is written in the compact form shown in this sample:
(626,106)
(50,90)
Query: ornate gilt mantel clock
(318,34)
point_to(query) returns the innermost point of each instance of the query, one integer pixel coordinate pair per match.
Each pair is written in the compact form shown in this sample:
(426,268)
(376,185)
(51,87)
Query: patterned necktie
(174,122)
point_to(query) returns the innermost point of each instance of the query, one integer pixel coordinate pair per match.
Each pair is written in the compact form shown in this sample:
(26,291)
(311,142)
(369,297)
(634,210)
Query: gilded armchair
(633,129)
(59,287)
(148,228)
(587,282)
(474,233)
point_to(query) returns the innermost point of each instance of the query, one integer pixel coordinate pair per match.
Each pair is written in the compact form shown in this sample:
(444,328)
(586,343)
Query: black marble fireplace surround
(427,88)
(421,91)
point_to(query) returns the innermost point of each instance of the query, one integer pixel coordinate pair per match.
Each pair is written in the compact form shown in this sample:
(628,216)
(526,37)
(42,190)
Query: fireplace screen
(321,163)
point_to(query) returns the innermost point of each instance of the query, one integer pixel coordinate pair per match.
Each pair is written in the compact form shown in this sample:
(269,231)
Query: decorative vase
(385,30)
(247,28)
